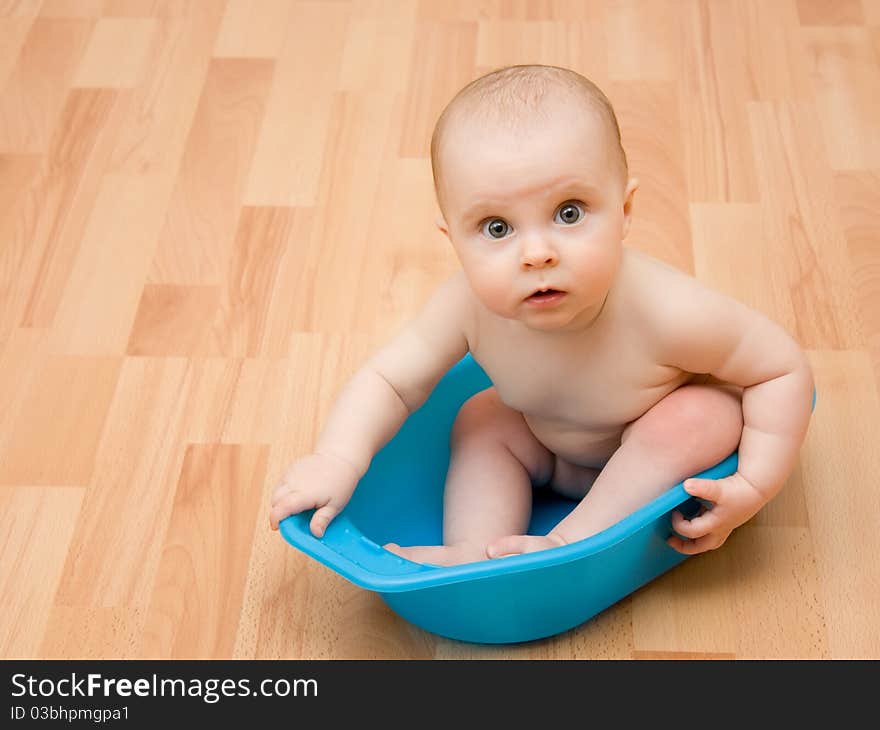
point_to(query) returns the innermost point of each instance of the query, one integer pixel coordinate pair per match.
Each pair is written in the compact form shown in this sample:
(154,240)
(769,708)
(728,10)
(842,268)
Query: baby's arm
(396,380)
(702,331)
(373,405)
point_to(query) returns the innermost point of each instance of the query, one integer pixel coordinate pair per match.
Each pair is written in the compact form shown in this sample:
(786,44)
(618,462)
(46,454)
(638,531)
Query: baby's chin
(541,321)
(563,319)
(547,324)
(557,319)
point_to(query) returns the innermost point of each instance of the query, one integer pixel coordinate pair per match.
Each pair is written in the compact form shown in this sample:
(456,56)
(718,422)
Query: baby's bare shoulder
(692,326)
(461,302)
(449,310)
(660,291)
(428,345)
(462,305)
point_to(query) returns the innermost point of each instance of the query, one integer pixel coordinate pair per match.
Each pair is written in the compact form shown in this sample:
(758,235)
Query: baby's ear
(631,186)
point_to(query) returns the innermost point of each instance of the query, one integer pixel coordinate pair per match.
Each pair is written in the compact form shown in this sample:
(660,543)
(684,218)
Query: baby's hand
(735,500)
(318,481)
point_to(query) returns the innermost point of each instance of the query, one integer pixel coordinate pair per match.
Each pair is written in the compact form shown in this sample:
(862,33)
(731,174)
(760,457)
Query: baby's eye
(569,212)
(497,227)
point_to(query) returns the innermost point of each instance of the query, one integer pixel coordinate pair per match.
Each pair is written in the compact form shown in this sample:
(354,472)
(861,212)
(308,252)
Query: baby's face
(545,209)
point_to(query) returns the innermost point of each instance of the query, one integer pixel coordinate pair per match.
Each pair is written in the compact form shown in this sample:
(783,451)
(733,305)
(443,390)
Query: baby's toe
(430,554)
(393,547)
(417,554)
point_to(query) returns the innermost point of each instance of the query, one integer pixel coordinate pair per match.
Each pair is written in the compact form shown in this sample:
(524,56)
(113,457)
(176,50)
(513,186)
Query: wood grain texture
(213,211)
(198,589)
(116,54)
(205,216)
(35,92)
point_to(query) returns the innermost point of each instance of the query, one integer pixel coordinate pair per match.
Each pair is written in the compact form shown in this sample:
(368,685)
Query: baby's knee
(484,416)
(700,415)
(485,421)
(478,416)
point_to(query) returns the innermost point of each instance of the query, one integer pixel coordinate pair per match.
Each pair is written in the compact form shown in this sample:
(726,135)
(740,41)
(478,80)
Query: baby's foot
(439,554)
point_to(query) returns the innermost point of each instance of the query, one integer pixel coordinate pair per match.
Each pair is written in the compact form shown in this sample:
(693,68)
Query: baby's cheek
(598,265)
(496,293)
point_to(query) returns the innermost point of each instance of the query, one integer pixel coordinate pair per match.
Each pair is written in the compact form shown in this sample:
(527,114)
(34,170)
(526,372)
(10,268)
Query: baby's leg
(688,431)
(494,462)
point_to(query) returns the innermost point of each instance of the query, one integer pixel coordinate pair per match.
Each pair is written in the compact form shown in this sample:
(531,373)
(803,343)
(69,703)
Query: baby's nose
(539,258)
(537,250)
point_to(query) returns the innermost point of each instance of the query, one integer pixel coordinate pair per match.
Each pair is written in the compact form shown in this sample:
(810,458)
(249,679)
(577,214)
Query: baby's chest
(596,389)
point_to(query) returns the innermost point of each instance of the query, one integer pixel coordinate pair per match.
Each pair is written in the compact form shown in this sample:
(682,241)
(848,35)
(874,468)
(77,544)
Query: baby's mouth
(542,294)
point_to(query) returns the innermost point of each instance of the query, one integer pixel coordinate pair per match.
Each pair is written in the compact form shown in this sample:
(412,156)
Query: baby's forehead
(526,122)
(484,155)
(473,137)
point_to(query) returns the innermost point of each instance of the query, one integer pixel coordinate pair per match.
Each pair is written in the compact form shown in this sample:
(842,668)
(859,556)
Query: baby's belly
(593,446)
(580,447)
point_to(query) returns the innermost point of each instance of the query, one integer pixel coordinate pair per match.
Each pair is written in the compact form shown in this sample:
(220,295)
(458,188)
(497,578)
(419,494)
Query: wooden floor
(211,212)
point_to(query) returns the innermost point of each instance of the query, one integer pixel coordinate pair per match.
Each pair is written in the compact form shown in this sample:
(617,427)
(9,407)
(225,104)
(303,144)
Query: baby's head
(534,190)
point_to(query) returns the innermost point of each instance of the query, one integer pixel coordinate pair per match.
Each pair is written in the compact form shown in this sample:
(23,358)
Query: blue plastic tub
(519,598)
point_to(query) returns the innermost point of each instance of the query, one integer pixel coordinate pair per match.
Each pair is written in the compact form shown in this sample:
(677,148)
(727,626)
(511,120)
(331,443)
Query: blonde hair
(516,96)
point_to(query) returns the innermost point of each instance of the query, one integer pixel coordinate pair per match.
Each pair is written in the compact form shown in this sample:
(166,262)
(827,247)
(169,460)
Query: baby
(615,376)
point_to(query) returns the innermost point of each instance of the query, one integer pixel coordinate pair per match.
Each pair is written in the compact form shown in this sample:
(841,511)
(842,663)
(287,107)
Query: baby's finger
(290,504)
(280,491)
(696,527)
(708,489)
(322,518)
(694,547)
